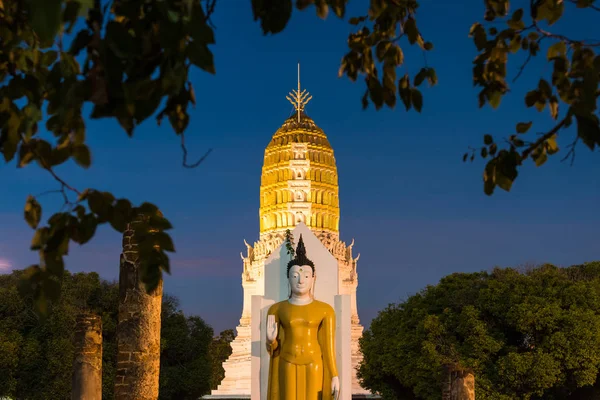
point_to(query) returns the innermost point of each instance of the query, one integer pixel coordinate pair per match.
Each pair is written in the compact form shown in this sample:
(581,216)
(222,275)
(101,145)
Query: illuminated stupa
(299,184)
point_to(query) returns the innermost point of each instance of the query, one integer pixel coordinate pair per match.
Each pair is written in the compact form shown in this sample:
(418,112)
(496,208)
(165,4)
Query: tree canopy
(129,60)
(36,355)
(531,334)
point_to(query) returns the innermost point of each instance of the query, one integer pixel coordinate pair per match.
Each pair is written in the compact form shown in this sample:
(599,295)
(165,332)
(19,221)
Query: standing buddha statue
(301,339)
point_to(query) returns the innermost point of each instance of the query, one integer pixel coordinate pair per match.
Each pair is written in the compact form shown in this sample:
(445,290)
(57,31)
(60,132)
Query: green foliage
(571,86)
(185,358)
(127,57)
(289,243)
(374,52)
(525,335)
(36,355)
(220,351)
(130,60)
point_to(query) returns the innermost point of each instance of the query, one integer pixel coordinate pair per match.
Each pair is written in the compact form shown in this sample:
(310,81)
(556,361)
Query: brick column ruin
(459,385)
(87,365)
(138,330)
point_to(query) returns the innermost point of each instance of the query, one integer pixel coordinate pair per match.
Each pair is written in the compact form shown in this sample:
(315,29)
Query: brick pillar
(459,385)
(87,365)
(138,330)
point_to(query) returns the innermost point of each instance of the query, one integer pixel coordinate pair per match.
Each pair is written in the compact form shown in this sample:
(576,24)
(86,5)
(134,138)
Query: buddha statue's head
(301,271)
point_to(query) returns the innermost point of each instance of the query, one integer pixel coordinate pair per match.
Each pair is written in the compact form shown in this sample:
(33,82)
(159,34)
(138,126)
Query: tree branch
(210,9)
(49,168)
(525,63)
(571,151)
(564,38)
(185,154)
(543,138)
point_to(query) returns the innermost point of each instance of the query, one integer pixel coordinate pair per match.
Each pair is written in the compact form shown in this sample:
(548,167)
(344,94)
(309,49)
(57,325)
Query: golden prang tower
(299,180)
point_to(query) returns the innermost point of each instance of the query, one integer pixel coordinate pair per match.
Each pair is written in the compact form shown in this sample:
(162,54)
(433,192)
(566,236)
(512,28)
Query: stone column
(138,330)
(460,385)
(87,365)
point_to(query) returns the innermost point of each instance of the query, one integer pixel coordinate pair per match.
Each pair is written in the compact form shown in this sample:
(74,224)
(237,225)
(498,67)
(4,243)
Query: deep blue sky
(416,211)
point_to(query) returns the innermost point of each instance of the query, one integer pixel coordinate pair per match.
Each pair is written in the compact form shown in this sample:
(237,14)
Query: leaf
(82,156)
(70,14)
(488,140)
(58,241)
(121,215)
(410,29)
(151,275)
(59,155)
(523,127)
(545,88)
(45,18)
(428,46)
(432,78)
(98,205)
(33,212)
(159,222)
(119,40)
(86,229)
(148,209)
(83,195)
(25,155)
(517,15)
(539,156)
(494,98)
(48,58)
(199,28)
(489,177)
(82,39)
(273,14)
(356,20)
(200,55)
(163,241)
(10,136)
(588,130)
(506,169)
(417,99)
(550,10)
(421,75)
(551,145)
(531,98)
(405,92)
(553,105)
(322,9)
(39,238)
(479,36)
(53,260)
(382,48)
(365,100)
(558,49)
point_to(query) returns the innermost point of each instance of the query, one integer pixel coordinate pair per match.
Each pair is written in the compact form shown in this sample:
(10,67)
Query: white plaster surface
(269,280)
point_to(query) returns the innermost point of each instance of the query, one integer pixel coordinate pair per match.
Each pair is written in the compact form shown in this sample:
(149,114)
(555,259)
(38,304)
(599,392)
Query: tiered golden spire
(299,98)
(299,177)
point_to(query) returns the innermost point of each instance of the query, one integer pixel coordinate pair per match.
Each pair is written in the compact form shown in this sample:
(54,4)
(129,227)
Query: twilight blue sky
(416,211)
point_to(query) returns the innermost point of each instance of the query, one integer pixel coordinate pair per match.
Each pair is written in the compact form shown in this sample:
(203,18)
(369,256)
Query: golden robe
(303,355)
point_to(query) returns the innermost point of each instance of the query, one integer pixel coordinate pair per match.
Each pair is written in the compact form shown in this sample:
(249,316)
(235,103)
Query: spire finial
(299,98)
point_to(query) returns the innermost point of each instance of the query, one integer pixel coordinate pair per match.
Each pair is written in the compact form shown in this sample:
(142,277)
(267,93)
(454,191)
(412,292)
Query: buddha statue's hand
(271,328)
(335,387)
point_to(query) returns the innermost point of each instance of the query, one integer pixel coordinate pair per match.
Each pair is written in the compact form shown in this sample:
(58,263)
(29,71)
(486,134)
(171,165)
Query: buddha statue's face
(301,279)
